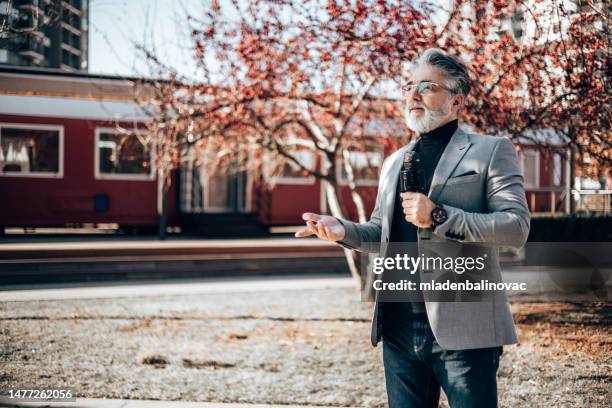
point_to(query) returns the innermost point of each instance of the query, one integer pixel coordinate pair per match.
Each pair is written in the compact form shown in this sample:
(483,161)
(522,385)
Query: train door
(224,191)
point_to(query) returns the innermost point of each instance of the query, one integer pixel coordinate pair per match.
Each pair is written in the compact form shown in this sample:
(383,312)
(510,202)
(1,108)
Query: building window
(366,167)
(557,170)
(530,164)
(31,150)
(122,156)
(281,170)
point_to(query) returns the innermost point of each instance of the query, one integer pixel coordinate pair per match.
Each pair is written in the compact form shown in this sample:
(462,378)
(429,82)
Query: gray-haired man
(475,204)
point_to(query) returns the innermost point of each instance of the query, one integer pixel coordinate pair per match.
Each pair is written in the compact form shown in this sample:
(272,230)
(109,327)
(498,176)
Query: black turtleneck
(430,147)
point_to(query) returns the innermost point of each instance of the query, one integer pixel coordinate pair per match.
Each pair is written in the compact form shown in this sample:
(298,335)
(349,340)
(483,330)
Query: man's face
(434,106)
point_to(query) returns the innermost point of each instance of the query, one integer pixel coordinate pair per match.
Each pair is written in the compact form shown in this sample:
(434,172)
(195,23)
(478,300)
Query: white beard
(429,120)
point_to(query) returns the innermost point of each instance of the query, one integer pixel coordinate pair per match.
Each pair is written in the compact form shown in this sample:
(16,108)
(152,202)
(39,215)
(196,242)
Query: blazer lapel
(453,153)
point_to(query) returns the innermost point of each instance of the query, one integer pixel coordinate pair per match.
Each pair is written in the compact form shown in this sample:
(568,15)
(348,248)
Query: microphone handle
(410,181)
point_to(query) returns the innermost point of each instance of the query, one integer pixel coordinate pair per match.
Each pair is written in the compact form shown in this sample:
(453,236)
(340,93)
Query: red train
(61,164)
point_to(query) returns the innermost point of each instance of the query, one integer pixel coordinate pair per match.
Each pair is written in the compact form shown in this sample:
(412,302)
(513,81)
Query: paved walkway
(168,288)
(118,403)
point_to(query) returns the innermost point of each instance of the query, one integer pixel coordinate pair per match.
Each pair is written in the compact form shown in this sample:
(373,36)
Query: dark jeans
(416,367)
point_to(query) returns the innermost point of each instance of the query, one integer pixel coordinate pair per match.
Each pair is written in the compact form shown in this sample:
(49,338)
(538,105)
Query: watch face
(438,215)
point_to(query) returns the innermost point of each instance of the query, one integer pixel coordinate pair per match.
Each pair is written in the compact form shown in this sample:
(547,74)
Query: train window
(122,156)
(31,150)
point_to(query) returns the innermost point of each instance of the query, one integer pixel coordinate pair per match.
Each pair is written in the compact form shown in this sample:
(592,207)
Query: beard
(430,119)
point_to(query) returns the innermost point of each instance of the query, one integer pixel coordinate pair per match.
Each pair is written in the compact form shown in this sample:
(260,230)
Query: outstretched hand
(323,226)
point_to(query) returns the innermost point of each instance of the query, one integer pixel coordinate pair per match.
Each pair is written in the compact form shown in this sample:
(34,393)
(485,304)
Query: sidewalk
(116,403)
(46,292)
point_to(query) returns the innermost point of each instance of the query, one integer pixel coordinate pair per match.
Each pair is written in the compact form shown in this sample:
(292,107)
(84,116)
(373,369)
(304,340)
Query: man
(474,201)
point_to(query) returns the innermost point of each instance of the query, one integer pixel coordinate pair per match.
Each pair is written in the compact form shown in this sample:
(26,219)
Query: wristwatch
(438,216)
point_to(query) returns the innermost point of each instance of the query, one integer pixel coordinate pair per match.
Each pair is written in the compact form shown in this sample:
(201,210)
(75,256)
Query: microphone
(410,175)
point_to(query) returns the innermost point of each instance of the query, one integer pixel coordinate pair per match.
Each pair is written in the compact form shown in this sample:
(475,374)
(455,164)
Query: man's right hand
(323,226)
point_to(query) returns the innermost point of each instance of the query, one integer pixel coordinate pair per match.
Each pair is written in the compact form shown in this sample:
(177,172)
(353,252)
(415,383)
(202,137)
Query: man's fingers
(304,232)
(410,203)
(308,216)
(311,226)
(315,225)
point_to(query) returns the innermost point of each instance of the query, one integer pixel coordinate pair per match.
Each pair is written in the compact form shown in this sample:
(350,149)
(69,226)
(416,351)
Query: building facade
(45,33)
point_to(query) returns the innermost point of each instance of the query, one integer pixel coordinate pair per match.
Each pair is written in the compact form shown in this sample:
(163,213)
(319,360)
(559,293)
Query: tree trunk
(161,206)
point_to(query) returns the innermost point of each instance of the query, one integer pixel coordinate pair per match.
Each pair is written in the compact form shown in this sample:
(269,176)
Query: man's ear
(459,101)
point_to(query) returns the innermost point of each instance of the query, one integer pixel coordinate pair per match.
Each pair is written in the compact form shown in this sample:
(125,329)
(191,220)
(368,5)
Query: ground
(306,347)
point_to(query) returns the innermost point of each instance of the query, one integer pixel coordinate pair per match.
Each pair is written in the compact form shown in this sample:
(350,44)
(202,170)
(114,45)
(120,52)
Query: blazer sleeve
(365,237)
(507,222)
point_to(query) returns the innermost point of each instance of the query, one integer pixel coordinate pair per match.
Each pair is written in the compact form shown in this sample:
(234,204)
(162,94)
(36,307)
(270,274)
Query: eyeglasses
(424,88)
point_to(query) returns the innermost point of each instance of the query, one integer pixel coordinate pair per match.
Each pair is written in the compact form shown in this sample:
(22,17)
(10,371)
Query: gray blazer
(486,208)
